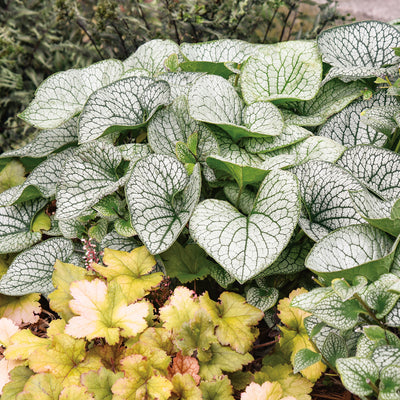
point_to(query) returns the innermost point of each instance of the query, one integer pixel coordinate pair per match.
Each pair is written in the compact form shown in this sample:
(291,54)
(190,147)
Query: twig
(82,26)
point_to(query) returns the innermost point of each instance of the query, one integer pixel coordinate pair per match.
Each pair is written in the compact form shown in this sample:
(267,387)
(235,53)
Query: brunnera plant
(235,155)
(111,342)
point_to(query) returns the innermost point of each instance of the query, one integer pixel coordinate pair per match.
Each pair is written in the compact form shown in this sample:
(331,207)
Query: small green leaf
(183,153)
(346,291)
(356,373)
(218,389)
(41,222)
(304,358)
(18,378)
(124,228)
(334,347)
(186,263)
(100,382)
(262,298)
(287,70)
(98,230)
(12,174)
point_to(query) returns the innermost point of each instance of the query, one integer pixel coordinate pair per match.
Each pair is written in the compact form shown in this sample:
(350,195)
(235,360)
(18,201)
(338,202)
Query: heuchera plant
(233,154)
(112,343)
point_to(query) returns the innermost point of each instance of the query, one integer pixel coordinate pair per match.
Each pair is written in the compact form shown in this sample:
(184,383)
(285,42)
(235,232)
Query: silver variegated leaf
(330,99)
(312,148)
(262,298)
(47,141)
(32,270)
(243,199)
(161,198)
(304,358)
(41,182)
(180,82)
(64,94)
(346,291)
(151,56)
(124,104)
(384,356)
(389,386)
(219,51)
(290,261)
(287,70)
(351,251)
(356,373)
(214,100)
(71,228)
(347,128)
(377,295)
(382,119)
(15,226)
(382,214)
(365,48)
(290,135)
(376,168)
(393,317)
(334,348)
(117,242)
(222,277)
(134,151)
(324,188)
(87,177)
(174,124)
(245,245)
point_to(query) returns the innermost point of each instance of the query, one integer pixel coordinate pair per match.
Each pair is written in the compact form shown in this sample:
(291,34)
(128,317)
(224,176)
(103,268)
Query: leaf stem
(239,195)
(368,310)
(372,386)
(259,346)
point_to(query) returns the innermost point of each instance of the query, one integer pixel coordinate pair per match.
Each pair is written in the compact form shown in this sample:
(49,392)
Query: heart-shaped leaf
(305,358)
(117,242)
(32,270)
(384,215)
(161,198)
(324,189)
(356,373)
(382,118)
(262,298)
(331,98)
(180,82)
(365,48)
(214,100)
(290,135)
(15,226)
(86,178)
(334,348)
(376,168)
(246,245)
(41,182)
(151,56)
(173,124)
(351,251)
(347,127)
(47,141)
(63,94)
(287,70)
(107,110)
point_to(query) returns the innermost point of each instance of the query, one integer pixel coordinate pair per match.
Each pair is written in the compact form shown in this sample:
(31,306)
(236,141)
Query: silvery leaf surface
(245,245)
(312,148)
(366,47)
(330,99)
(32,270)
(117,242)
(389,386)
(324,189)
(151,56)
(41,182)
(124,104)
(161,198)
(86,178)
(345,290)
(376,168)
(377,295)
(382,214)
(393,317)
(134,151)
(47,141)
(71,228)
(290,135)
(174,124)
(355,372)
(244,202)
(180,82)
(382,118)
(334,348)
(347,127)
(351,251)
(214,100)
(15,226)
(262,298)
(64,94)
(384,356)
(219,51)
(305,358)
(287,70)
(290,261)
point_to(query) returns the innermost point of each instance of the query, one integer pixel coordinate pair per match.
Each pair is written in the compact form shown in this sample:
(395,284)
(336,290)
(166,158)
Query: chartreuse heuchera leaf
(246,245)
(161,199)
(64,94)
(12,174)
(283,71)
(366,48)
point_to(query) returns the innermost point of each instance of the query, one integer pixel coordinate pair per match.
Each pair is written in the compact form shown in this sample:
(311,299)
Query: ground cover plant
(246,164)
